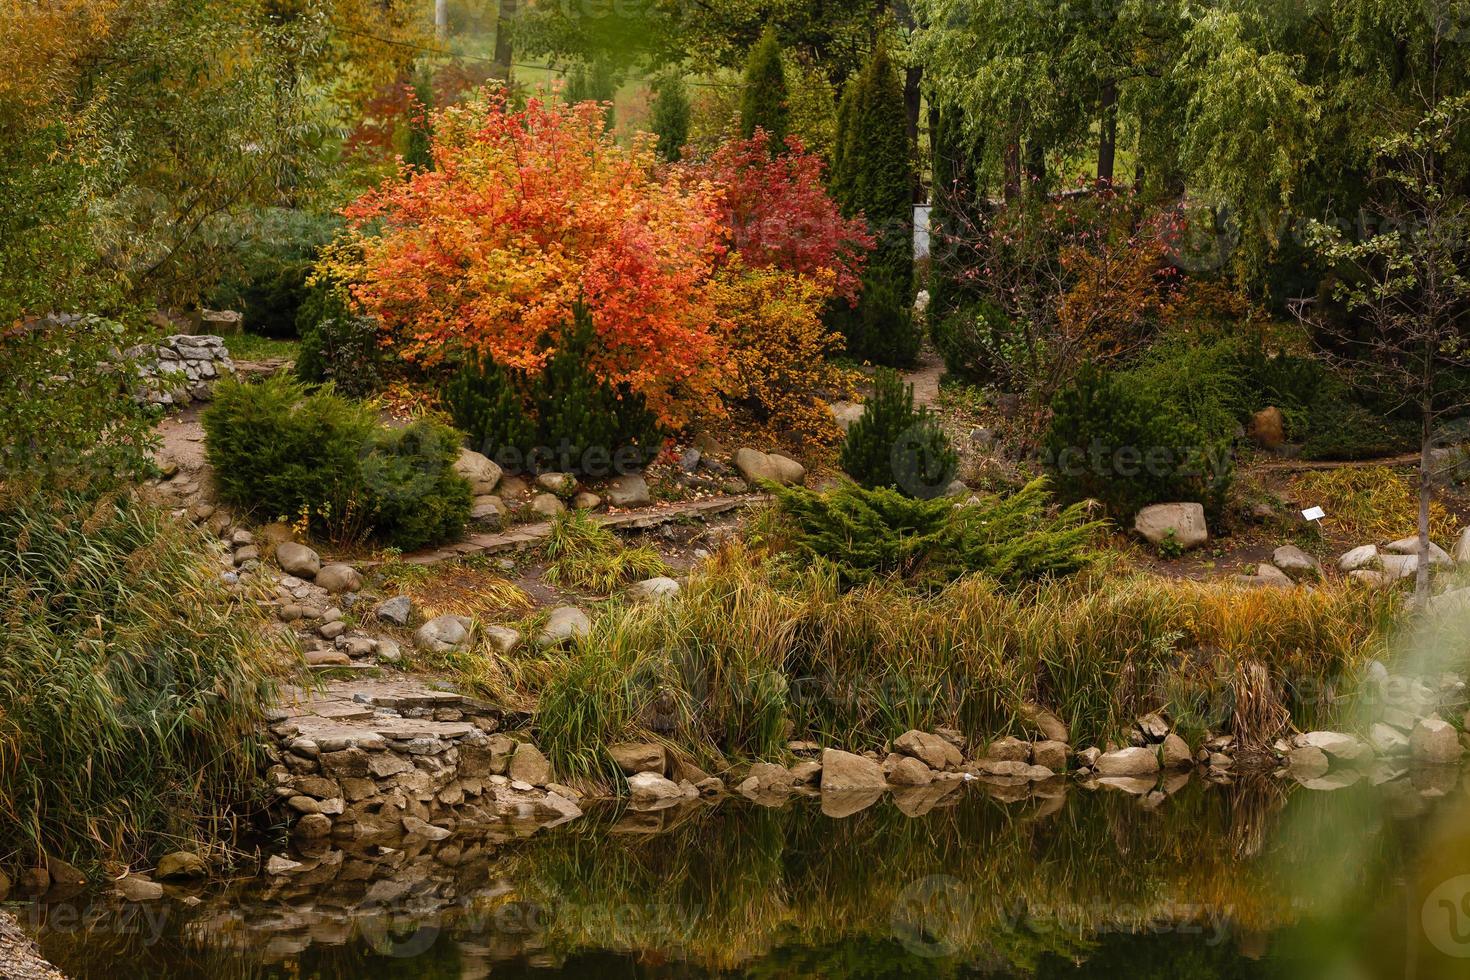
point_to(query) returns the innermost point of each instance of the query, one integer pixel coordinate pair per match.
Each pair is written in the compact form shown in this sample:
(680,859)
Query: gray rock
(653,589)
(1368,578)
(338,577)
(628,490)
(636,757)
(489,509)
(482,473)
(136,889)
(586,500)
(1399,567)
(846,413)
(1387,740)
(396,610)
(1435,742)
(1008,749)
(650,787)
(933,751)
(443,633)
(1295,562)
(529,765)
(1176,752)
(1336,745)
(548,505)
(1136,761)
(1051,754)
(415,827)
(1359,559)
(843,772)
(561,484)
(181,864)
(1410,546)
(756,466)
(1462,546)
(909,771)
(565,623)
(1308,762)
(1186,520)
(503,639)
(298,559)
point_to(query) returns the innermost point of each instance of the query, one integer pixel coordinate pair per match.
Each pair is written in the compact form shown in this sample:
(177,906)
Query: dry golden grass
(1373,504)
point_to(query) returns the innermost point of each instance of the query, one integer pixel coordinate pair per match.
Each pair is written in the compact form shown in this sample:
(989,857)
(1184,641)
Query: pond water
(1260,878)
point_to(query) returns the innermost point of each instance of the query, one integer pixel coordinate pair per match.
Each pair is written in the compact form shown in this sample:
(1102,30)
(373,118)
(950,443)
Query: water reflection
(1254,879)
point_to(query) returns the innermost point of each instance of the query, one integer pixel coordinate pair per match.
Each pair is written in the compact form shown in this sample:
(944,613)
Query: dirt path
(925,378)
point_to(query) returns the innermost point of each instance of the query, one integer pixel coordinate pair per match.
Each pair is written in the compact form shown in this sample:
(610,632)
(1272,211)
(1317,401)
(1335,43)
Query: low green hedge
(283,452)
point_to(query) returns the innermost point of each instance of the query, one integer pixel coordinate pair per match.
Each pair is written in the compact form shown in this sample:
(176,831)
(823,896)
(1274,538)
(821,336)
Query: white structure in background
(921,231)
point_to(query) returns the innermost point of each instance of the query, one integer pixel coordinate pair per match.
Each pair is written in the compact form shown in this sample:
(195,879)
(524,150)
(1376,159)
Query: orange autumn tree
(524,215)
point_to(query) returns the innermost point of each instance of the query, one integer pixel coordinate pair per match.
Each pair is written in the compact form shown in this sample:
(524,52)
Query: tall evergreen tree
(763,98)
(955,211)
(873,176)
(671,116)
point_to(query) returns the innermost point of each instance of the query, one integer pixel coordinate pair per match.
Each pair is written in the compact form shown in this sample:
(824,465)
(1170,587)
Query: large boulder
(1462,546)
(1185,520)
(564,624)
(653,589)
(843,772)
(529,765)
(933,751)
(629,490)
(1295,562)
(396,610)
(1410,546)
(1364,558)
(636,757)
(482,472)
(1398,567)
(650,787)
(1435,742)
(338,577)
(909,771)
(548,505)
(443,633)
(298,559)
(1135,761)
(756,466)
(1268,428)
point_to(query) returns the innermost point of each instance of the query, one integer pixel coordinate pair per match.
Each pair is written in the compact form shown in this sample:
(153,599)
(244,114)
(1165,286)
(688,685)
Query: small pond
(1260,878)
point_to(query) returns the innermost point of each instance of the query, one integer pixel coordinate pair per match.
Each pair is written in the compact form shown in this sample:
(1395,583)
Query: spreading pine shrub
(895,446)
(1161,431)
(870,533)
(282,452)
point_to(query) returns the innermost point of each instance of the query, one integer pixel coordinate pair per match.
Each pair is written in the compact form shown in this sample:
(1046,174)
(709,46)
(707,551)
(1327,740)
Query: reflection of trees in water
(1024,886)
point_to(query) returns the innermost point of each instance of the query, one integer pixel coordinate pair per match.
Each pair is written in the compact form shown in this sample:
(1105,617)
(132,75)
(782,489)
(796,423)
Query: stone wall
(181,369)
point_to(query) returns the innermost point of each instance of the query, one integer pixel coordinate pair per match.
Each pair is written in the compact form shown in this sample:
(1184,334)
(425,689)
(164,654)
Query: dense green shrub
(282,452)
(131,682)
(415,497)
(882,328)
(868,533)
(1160,431)
(1332,427)
(763,97)
(974,339)
(338,345)
(893,445)
(563,419)
(266,279)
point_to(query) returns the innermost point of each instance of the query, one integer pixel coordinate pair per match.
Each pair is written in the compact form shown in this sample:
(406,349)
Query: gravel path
(18,957)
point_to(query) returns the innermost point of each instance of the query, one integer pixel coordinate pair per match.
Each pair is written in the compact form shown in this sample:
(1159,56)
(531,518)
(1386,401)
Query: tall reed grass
(131,682)
(750,654)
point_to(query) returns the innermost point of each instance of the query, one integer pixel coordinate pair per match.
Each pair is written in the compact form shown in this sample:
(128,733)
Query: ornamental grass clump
(132,683)
(586,555)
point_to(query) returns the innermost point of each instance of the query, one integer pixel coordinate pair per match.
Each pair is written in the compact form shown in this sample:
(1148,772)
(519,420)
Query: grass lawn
(252,347)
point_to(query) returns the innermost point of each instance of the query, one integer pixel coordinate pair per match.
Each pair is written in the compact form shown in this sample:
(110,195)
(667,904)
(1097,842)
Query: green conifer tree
(671,117)
(763,98)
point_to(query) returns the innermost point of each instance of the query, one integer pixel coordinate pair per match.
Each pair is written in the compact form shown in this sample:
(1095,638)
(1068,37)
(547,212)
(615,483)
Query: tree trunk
(441,19)
(1426,488)
(503,25)
(912,99)
(1107,146)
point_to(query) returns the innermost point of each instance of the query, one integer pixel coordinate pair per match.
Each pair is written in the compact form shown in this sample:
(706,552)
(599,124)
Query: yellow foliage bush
(778,347)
